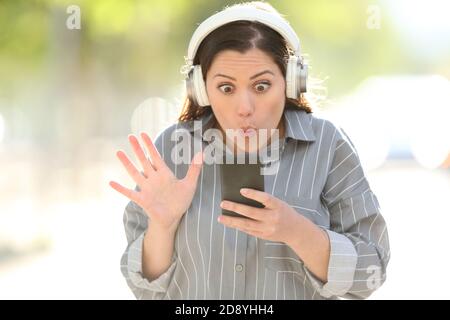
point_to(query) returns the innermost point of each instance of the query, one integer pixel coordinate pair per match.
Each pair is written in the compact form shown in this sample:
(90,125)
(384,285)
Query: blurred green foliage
(144,41)
(134,49)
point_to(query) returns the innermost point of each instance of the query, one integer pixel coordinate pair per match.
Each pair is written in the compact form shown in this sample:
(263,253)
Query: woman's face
(247,95)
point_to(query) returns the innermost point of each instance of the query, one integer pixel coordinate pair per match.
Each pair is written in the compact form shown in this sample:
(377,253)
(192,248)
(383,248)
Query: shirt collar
(297,124)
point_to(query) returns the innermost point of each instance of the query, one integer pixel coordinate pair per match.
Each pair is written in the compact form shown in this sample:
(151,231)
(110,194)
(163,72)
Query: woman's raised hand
(163,197)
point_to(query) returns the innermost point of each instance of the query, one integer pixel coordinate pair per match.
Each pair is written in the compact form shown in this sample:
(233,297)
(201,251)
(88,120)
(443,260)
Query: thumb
(195,167)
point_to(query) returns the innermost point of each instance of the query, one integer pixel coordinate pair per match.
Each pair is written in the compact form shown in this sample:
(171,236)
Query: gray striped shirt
(320,176)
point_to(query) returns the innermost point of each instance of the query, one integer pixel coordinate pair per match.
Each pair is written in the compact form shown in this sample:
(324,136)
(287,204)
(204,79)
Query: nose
(245,107)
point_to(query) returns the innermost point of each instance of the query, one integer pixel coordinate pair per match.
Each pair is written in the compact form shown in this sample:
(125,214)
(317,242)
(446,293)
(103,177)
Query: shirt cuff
(341,267)
(159,284)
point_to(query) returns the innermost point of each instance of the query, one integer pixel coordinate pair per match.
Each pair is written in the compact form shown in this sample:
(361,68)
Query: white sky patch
(423,25)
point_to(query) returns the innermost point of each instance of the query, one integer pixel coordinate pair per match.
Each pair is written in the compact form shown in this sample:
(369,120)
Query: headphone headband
(242,12)
(296,69)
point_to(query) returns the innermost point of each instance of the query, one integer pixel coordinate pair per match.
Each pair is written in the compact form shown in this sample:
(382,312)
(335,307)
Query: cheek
(273,102)
(221,109)
(217,99)
(212,90)
(221,105)
(271,108)
(214,98)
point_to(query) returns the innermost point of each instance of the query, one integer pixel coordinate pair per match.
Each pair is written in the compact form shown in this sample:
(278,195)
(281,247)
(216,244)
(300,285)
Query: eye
(226,88)
(262,87)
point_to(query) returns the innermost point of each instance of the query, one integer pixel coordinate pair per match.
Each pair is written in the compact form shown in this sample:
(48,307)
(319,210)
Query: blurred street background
(76,77)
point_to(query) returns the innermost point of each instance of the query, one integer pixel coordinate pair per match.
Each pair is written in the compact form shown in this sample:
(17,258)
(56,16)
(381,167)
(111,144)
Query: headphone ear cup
(199,87)
(302,72)
(190,86)
(291,78)
(296,75)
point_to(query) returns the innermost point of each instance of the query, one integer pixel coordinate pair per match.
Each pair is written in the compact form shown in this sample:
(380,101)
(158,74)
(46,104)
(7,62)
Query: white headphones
(296,71)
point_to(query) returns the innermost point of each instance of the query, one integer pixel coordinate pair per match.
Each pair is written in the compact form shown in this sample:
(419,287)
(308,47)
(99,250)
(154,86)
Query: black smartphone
(235,176)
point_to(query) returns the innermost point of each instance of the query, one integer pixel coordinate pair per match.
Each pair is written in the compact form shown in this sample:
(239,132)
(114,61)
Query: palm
(163,197)
(169,199)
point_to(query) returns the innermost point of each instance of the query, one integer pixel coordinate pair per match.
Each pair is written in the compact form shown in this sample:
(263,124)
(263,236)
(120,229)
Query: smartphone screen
(236,176)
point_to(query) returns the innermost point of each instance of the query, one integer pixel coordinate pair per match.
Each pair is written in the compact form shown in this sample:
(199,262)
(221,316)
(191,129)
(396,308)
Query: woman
(320,234)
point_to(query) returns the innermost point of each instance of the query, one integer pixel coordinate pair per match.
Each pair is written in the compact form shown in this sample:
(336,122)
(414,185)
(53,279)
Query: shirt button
(239,267)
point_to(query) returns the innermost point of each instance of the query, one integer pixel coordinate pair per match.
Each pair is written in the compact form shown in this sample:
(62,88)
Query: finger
(253,233)
(195,167)
(265,198)
(240,223)
(129,166)
(157,161)
(245,210)
(130,194)
(145,162)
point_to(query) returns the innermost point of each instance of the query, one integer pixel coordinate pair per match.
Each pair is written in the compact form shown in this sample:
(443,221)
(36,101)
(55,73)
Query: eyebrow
(252,77)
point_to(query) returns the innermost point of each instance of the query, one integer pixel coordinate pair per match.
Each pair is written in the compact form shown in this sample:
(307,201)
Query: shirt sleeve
(136,222)
(359,245)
